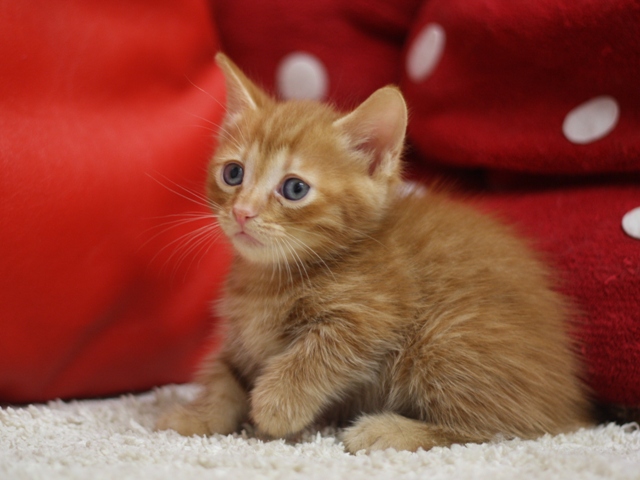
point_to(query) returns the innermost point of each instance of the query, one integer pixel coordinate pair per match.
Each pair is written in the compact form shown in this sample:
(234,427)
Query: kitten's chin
(251,249)
(244,238)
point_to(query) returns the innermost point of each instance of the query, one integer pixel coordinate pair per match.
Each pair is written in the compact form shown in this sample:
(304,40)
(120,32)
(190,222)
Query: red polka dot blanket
(533,105)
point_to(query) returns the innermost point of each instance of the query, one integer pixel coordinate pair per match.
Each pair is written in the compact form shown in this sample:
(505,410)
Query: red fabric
(358,42)
(509,74)
(101,102)
(598,267)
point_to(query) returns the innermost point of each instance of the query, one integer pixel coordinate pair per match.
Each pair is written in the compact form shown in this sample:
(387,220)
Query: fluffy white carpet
(114,439)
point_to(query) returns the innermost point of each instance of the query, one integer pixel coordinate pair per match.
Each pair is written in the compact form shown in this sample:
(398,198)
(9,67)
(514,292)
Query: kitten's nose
(243,214)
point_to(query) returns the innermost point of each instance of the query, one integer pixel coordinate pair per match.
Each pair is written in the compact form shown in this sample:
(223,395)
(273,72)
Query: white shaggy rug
(114,439)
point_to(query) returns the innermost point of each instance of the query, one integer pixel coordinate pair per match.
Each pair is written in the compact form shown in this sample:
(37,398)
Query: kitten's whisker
(185,241)
(284,261)
(181,238)
(299,263)
(194,240)
(346,227)
(277,255)
(211,131)
(361,233)
(187,214)
(311,251)
(205,92)
(219,130)
(166,226)
(204,243)
(274,262)
(200,199)
(197,194)
(190,218)
(200,242)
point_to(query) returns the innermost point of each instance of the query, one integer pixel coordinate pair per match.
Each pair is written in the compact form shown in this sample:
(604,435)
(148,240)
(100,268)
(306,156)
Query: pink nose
(243,214)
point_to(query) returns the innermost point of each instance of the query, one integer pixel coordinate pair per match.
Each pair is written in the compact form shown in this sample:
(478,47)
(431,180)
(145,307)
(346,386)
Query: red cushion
(545,86)
(102,102)
(598,266)
(348,48)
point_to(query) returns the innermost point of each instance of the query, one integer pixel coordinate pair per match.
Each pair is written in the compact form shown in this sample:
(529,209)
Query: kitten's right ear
(242,93)
(377,127)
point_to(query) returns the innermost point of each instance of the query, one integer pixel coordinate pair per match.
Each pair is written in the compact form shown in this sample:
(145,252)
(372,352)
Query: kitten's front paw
(279,414)
(183,421)
(363,437)
(188,421)
(379,432)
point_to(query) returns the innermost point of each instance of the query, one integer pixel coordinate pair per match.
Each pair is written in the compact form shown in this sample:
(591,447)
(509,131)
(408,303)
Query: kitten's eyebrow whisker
(205,92)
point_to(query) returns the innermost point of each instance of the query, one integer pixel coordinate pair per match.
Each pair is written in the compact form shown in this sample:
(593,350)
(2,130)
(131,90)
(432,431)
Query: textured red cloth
(101,101)
(598,266)
(355,45)
(505,77)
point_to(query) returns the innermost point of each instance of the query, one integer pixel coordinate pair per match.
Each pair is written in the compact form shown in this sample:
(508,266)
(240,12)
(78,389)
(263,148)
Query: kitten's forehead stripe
(265,170)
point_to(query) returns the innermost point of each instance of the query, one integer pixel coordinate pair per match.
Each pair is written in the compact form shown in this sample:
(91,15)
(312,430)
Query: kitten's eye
(294,189)
(232,174)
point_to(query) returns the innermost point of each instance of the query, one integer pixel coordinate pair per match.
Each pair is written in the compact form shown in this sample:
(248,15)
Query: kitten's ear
(242,93)
(377,127)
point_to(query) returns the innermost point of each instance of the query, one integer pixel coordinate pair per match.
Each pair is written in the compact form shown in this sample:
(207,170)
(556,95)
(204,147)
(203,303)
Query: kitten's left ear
(377,128)
(242,93)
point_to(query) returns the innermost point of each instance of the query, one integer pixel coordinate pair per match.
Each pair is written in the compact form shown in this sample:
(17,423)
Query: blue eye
(294,189)
(232,174)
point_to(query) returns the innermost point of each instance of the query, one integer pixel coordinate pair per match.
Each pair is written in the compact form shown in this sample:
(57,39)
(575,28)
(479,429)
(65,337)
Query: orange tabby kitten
(354,299)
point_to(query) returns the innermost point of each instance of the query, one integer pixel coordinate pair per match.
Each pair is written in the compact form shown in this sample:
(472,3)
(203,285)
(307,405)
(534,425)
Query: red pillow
(107,114)
(322,49)
(597,265)
(546,86)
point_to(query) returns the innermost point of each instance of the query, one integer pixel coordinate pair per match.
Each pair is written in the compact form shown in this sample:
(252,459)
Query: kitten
(353,299)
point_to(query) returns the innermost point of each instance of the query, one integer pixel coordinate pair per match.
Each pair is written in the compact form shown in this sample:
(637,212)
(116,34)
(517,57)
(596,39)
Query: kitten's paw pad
(278,416)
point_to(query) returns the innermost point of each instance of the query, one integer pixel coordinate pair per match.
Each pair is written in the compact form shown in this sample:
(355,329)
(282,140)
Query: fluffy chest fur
(256,315)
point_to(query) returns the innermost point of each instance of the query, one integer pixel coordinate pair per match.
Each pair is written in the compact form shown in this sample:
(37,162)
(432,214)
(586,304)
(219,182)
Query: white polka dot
(591,120)
(631,223)
(425,52)
(302,76)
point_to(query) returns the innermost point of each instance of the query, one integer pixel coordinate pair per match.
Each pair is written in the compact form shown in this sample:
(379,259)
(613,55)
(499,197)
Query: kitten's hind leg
(390,430)
(219,408)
